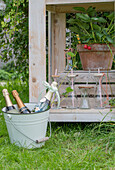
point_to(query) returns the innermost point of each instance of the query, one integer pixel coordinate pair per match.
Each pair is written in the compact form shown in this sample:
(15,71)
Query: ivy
(14,35)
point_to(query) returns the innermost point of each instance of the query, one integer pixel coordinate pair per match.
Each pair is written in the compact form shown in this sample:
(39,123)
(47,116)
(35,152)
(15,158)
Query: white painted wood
(57,2)
(37,44)
(80,115)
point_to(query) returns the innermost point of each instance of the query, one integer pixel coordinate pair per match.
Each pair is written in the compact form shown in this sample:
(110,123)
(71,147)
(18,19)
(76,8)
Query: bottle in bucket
(44,103)
(9,106)
(22,108)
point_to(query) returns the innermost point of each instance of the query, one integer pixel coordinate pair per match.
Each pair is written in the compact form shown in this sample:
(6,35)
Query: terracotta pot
(98,56)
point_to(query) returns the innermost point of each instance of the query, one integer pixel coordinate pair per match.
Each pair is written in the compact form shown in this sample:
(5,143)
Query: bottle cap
(15,93)
(5,92)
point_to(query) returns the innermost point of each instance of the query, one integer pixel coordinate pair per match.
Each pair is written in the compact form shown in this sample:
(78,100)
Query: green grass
(87,146)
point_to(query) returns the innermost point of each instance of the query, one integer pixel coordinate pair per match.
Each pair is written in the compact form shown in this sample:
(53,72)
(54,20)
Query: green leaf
(86,41)
(81,24)
(91,11)
(100,19)
(105,14)
(99,34)
(110,40)
(2,23)
(71,21)
(112,15)
(64,94)
(74,29)
(79,9)
(71,54)
(69,89)
(105,31)
(96,27)
(85,25)
(112,102)
(84,17)
(4,75)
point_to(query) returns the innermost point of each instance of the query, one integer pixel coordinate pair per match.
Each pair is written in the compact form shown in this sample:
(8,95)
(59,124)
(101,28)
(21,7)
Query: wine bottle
(9,106)
(44,103)
(22,108)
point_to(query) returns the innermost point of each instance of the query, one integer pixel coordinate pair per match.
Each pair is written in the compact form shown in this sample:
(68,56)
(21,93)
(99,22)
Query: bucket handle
(42,140)
(46,138)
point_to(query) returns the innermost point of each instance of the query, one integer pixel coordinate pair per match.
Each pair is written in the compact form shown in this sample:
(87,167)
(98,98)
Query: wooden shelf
(65,6)
(64,2)
(56,60)
(82,115)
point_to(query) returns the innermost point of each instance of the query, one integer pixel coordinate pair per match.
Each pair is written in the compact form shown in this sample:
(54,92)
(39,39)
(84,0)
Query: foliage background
(14,35)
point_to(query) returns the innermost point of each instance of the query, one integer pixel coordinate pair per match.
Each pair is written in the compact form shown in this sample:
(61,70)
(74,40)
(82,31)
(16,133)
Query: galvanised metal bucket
(27,130)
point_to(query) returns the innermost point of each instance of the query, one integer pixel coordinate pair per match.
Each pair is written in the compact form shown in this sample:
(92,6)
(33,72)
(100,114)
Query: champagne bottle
(9,106)
(44,103)
(22,108)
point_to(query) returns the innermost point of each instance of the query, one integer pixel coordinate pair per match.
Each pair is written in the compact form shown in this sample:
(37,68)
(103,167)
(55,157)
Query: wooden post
(57,41)
(37,44)
(49,46)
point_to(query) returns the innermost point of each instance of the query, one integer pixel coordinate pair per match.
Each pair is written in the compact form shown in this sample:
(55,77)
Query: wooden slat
(53,2)
(85,76)
(37,53)
(49,46)
(110,87)
(58,42)
(67,102)
(82,115)
(108,6)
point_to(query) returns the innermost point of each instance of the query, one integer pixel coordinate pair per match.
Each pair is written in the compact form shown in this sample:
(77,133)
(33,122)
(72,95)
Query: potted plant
(95,37)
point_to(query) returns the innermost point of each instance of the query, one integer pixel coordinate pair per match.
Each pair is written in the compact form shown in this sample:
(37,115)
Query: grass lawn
(88,146)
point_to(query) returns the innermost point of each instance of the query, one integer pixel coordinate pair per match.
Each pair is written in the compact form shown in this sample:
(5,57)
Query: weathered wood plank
(82,115)
(58,26)
(37,53)
(53,2)
(84,76)
(49,46)
(110,89)
(100,6)
(67,102)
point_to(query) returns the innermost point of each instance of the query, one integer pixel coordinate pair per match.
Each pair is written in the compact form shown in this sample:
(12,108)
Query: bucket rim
(4,110)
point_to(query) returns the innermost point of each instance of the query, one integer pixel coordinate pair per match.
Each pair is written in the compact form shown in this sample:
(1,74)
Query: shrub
(4,75)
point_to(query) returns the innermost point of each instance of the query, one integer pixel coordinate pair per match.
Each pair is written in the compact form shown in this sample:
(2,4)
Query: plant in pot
(96,37)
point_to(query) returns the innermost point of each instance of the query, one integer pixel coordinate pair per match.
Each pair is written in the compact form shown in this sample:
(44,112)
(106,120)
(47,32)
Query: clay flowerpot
(98,57)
